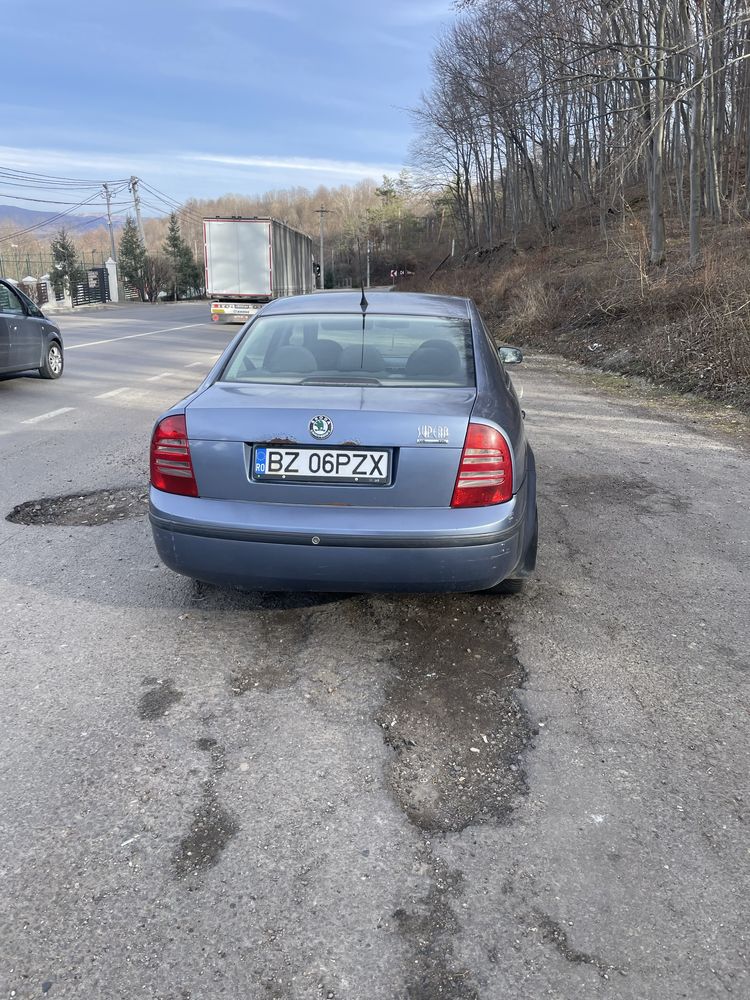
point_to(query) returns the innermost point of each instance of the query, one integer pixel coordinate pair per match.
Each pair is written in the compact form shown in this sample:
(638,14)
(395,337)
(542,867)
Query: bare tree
(538,106)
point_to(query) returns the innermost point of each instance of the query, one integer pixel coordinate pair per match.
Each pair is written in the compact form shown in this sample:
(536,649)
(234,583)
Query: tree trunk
(658,248)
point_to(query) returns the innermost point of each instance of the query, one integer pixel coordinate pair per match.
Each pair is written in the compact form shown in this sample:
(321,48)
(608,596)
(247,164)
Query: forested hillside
(598,152)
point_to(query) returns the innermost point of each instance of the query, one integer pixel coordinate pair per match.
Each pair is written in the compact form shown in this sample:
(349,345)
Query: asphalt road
(208,794)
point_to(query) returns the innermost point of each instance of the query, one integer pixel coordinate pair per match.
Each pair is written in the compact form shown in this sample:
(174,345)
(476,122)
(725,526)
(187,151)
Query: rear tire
(53,364)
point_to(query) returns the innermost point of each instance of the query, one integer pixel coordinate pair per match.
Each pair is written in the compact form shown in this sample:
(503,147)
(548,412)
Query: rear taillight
(171,467)
(485,475)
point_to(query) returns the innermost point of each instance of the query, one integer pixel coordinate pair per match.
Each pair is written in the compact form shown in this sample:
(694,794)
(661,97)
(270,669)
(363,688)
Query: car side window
(33,310)
(10,302)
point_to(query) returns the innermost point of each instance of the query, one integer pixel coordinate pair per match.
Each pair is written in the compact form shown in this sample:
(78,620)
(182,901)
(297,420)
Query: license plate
(340,465)
(242,310)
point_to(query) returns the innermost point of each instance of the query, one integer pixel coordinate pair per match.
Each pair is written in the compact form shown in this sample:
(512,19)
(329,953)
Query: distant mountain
(22,218)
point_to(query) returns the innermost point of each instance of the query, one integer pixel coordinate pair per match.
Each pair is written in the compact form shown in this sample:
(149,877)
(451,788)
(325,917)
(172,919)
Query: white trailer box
(251,261)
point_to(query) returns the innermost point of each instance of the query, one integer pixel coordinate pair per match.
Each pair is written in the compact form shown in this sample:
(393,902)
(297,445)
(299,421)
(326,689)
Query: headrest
(431,361)
(355,359)
(296,360)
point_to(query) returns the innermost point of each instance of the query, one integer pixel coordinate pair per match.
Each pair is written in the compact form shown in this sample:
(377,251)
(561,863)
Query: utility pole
(321,212)
(133,188)
(108,196)
(368,262)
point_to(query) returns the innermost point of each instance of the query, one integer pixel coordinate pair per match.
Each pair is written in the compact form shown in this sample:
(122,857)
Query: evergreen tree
(174,250)
(191,274)
(132,256)
(66,268)
(185,272)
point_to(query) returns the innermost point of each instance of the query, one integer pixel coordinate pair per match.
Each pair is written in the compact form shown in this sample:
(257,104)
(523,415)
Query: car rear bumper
(284,547)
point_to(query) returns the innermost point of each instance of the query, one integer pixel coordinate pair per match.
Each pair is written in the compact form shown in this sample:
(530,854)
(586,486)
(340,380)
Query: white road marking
(155,378)
(132,336)
(48,416)
(194,364)
(113,392)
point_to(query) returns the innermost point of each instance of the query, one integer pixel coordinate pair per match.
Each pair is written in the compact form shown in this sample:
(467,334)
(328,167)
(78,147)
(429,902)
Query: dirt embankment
(598,302)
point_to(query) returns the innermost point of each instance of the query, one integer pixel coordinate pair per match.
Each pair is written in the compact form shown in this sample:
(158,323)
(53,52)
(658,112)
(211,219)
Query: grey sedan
(28,340)
(348,442)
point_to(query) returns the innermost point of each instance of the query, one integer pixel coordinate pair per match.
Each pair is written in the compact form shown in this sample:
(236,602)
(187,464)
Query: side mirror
(510,355)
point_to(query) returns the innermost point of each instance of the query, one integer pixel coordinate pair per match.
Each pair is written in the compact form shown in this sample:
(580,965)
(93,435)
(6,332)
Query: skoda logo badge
(321,427)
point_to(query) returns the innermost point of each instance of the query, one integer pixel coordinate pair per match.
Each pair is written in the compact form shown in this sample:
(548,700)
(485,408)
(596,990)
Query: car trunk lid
(423,429)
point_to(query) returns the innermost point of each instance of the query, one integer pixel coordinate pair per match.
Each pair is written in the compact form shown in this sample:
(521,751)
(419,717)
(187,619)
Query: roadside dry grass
(601,304)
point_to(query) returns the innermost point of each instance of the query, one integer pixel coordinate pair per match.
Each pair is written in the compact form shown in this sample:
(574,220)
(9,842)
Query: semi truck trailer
(251,261)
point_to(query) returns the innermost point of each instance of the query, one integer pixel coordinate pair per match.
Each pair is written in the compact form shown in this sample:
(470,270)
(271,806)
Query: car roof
(380,303)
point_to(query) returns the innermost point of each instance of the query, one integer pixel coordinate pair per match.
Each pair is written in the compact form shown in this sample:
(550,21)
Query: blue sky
(203,98)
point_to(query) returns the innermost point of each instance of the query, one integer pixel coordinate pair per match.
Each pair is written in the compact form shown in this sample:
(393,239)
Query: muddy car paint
(403,537)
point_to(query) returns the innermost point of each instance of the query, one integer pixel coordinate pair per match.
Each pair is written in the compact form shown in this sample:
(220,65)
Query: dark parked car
(28,340)
(347,444)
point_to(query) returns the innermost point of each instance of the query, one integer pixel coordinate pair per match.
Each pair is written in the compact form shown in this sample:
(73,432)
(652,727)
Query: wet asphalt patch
(212,827)
(429,930)
(156,702)
(451,716)
(551,932)
(447,674)
(604,491)
(457,733)
(286,636)
(77,509)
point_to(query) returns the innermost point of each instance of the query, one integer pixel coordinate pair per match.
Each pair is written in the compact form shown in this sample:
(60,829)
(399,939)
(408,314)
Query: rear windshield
(352,350)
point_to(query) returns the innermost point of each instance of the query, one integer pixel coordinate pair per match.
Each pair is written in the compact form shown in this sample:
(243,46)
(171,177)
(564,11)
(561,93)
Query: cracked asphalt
(211,794)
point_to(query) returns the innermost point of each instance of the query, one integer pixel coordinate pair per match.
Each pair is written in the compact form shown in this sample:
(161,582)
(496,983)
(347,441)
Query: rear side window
(349,350)
(10,302)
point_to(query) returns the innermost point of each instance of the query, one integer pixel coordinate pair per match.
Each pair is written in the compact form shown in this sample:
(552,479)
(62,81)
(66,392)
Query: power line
(44,201)
(38,182)
(160,194)
(174,206)
(156,208)
(46,222)
(50,180)
(169,211)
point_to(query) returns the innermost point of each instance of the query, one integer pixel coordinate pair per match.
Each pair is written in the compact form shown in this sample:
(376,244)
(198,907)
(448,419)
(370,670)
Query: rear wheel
(52,367)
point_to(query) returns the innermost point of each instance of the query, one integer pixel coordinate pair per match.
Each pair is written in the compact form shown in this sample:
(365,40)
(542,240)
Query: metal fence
(18,266)
(93,288)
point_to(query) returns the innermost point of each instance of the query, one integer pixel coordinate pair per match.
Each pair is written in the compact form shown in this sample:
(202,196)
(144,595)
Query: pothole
(451,715)
(76,509)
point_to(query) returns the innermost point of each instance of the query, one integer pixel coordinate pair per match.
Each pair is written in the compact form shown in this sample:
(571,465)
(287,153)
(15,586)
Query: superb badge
(321,427)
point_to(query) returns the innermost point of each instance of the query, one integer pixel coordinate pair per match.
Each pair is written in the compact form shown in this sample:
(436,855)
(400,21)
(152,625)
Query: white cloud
(417,13)
(394,41)
(196,174)
(343,168)
(272,8)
